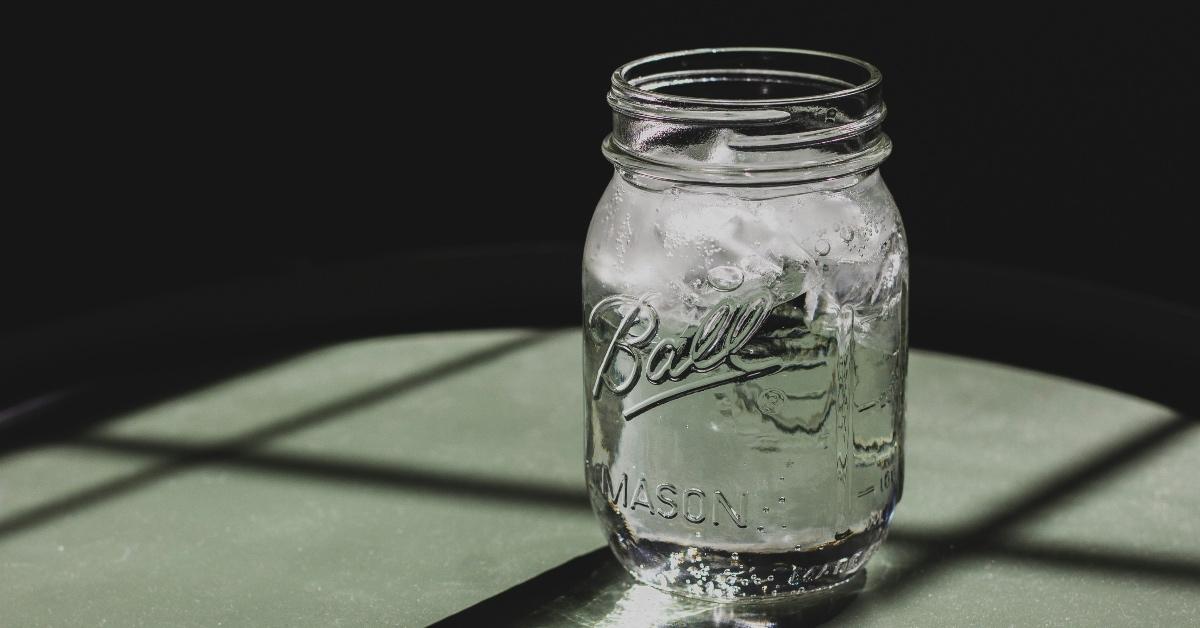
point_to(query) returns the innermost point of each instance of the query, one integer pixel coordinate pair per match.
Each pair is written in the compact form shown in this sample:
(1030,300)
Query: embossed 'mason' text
(666,500)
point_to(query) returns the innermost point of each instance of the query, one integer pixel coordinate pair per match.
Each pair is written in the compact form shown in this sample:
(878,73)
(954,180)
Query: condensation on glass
(744,299)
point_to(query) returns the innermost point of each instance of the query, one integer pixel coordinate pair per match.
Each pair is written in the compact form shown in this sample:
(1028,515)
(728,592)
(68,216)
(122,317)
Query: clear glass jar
(744,298)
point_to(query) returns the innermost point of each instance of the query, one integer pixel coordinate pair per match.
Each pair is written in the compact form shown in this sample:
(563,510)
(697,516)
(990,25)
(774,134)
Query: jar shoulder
(787,222)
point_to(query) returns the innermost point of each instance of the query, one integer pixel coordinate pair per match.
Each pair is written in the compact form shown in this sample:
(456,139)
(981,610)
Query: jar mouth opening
(741,77)
(747,116)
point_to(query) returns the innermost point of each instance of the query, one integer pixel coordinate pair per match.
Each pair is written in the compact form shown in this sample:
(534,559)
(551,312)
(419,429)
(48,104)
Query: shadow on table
(593,590)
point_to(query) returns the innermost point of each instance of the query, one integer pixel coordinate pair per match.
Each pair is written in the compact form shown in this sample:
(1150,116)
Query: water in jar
(744,359)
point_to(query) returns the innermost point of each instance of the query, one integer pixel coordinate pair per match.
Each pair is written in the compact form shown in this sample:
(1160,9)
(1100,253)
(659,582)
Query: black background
(180,155)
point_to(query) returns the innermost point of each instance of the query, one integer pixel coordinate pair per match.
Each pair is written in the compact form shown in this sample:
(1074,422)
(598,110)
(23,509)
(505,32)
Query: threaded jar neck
(747,116)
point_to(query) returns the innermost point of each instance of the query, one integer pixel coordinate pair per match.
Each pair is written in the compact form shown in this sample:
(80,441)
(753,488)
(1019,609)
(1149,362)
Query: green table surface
(398,481)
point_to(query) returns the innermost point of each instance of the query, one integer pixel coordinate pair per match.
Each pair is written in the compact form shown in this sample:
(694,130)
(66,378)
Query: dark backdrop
(318,155)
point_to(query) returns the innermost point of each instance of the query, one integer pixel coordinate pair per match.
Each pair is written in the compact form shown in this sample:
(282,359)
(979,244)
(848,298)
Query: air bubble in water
(726,278)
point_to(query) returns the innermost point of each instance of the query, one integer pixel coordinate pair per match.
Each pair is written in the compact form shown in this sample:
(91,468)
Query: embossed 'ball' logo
(770,400)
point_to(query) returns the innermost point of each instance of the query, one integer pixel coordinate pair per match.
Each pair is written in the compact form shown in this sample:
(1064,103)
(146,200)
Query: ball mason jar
(745,344)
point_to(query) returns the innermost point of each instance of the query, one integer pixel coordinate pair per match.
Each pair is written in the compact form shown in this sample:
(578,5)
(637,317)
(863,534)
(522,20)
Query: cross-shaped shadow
(988,533)
(180,457)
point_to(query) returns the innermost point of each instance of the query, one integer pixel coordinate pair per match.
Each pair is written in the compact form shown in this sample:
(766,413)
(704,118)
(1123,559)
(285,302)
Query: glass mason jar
(745,344)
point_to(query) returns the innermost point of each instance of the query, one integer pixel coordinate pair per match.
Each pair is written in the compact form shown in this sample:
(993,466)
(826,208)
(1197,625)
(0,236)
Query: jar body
(745,351)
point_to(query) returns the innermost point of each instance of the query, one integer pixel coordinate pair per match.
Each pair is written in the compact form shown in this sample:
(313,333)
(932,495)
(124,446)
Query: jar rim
(627,86)
(747,115)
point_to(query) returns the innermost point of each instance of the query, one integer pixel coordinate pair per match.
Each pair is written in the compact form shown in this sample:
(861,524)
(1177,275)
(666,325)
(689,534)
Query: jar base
(721,576)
